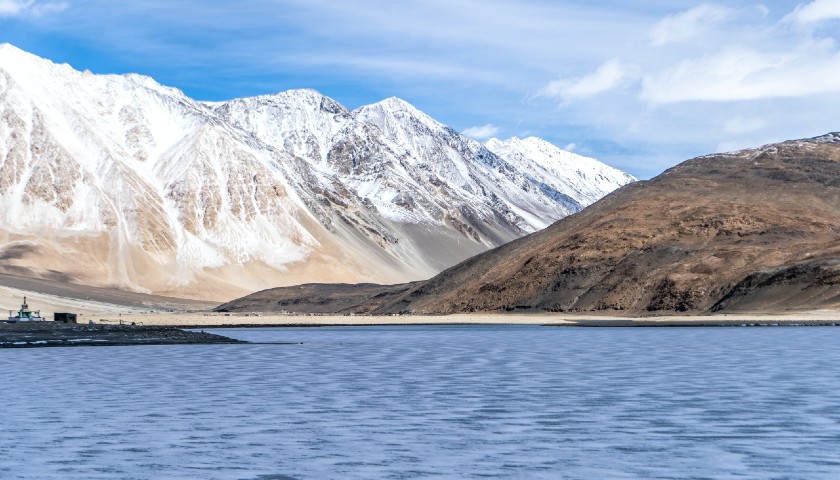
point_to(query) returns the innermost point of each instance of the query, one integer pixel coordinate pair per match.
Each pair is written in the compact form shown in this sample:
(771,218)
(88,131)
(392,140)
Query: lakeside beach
(148,311)
(212,319)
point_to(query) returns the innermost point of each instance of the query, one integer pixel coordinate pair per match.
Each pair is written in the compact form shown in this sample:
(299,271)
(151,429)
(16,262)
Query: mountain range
(116,180)
(752,231)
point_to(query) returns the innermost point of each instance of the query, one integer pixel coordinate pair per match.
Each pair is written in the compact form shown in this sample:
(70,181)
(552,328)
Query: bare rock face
(116,180)
(335,298)
(755,230)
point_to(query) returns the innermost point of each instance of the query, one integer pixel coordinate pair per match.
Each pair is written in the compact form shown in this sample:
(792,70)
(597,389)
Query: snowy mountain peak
(396,104)
(525,143)
(395,109)
(44,78)
(495,143)
(535,141)
(302,95)
(117,180)
(409,128)
(13,59)
(9,49)
(296,99)
(582,178)
(147,82)
(315,98)
(538,149)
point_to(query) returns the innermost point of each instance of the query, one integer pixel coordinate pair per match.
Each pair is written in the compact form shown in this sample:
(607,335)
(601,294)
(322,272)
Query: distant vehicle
(25,315)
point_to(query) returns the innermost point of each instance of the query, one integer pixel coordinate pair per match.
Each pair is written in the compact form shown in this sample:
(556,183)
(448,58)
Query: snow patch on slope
(584,179)
(256,192)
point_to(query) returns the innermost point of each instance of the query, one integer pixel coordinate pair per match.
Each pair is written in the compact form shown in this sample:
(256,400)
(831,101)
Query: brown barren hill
(756,230)
(328,298)
(752,230)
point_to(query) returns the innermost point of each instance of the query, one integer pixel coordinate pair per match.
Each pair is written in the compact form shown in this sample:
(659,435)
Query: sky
(641,85)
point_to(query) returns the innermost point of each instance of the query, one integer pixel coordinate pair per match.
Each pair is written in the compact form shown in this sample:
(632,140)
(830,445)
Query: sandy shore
(111,307)
(49,297)
(254,319)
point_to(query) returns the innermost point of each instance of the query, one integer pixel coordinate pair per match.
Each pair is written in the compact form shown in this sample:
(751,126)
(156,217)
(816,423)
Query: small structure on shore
(64,317)
(25,314)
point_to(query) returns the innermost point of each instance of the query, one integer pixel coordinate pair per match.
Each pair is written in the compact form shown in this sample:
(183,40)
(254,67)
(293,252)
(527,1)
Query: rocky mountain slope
(583,180)
(116,180)
(756,230)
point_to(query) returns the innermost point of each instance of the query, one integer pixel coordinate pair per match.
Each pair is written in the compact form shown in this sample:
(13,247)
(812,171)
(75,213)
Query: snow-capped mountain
(117,180)
(585,180)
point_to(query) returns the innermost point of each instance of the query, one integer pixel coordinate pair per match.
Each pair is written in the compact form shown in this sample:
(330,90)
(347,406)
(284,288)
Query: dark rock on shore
(50,334)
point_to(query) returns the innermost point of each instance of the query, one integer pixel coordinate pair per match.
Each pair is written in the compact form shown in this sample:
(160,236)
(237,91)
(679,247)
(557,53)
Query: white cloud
(741,57)
(724,77)
(609,75)
(40,9)
(482,132)
(570,147)
(11,8)
(31,8)
(741,74)
(396,67)
(684,76)
(815,12)
(688,24)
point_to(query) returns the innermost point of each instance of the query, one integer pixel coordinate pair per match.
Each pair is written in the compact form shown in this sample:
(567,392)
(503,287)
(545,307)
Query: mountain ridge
(116,180)
(748,231)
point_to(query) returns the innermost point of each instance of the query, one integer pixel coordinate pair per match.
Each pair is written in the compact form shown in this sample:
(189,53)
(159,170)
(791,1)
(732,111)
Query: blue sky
(641,85)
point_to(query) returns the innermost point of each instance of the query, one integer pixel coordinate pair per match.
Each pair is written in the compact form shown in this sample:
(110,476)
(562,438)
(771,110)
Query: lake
(431,402)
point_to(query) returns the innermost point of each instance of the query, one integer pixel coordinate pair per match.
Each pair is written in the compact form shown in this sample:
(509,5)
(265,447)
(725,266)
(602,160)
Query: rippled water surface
(431,402)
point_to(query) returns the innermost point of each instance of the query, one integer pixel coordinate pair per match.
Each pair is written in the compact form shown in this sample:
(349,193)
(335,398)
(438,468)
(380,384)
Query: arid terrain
(748,233)
(751,231)
(49,296)
(319,298)
(119,181)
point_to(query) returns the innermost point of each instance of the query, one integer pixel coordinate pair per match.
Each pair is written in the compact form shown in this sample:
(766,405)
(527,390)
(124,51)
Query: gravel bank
(50,334)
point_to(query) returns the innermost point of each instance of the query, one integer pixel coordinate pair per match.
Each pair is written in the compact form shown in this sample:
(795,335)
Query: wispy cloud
(688,24)
(815,12)
(714,76)
(611,74)
(47,8)
(752,60)
(481,133)
(739,74)
(12,8)
(390,66)
(640,84)
(29,8)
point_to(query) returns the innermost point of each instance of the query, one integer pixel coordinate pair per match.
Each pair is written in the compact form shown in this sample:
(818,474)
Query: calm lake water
(432,402)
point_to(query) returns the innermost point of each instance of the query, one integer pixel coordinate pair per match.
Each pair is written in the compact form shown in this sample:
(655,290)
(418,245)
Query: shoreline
(189,328)
(51,334)
(193,320)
